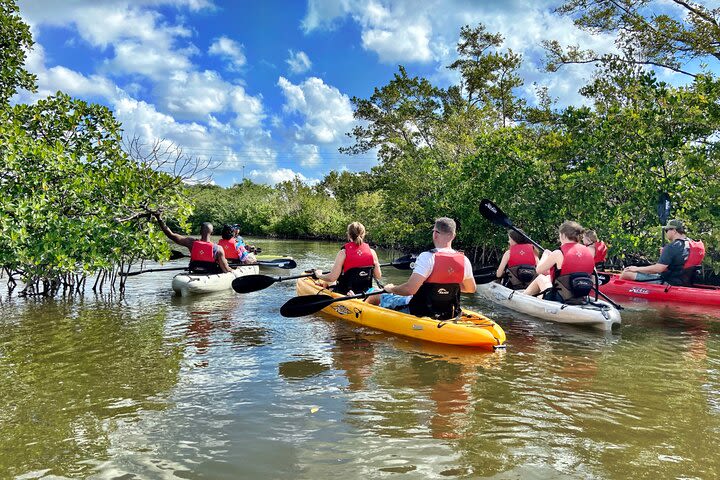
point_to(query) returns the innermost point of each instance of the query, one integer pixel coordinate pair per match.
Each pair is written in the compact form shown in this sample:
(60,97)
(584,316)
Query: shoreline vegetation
(77,200)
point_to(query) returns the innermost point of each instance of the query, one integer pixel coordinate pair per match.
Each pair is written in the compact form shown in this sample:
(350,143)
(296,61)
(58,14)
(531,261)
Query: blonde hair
(356,232)
(572,230)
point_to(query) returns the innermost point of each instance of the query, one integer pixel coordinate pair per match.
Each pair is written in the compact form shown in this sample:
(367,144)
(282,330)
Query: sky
(264,88)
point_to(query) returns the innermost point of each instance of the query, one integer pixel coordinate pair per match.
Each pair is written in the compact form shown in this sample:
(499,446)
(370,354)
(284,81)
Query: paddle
(307,304)
(495,215)
(253,283)
(286,263)
(132,274)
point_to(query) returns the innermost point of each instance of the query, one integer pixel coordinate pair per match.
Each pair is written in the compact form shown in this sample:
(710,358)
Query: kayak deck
(598,314)
(471,329)
(185,284)
(701,294)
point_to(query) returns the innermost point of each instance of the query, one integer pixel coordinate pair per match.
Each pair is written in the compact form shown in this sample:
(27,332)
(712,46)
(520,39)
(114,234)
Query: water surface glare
(221,386)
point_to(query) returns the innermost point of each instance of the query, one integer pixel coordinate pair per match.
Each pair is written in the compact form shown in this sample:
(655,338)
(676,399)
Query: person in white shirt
(438,277)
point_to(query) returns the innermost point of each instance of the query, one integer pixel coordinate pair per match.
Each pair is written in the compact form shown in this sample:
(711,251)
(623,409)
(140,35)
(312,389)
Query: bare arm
(222,261)
(408,288)
(654,268)
(503,264)
(179,239)
(468,285)
(336,268)
(548,260)
(377,273)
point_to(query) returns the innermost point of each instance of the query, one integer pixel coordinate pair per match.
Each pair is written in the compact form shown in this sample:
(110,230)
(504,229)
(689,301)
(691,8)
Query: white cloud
(229,50)
(309,155)
(327,113)
(298,62)
(274,176)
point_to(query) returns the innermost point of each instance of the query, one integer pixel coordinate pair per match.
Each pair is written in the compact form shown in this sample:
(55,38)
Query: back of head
(206,228)
(591,235)
(227,232)
(445,225)
(517,237)
(573,231)
(356,232)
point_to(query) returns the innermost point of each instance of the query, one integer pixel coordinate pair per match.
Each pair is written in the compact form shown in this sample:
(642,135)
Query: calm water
(221,386)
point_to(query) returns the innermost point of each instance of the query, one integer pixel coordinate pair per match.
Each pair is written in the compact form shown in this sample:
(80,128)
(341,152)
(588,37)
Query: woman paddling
(355,264)
(569,269)
(517,266)
(597,247)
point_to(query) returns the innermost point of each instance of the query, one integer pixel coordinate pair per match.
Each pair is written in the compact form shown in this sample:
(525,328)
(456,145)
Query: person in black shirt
(669,268)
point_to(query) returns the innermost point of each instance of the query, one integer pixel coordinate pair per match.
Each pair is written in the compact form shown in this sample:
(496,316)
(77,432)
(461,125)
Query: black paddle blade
(305,305)
(406,262)
(494,214)
(177,254)
(252,283)
(485,278)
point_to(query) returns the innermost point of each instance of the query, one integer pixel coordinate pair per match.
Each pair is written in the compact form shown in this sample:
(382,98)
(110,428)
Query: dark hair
(517,236)
(227,232)
(206,228)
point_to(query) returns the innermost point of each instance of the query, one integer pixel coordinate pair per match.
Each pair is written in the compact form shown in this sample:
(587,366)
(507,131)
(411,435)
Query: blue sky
(263,88)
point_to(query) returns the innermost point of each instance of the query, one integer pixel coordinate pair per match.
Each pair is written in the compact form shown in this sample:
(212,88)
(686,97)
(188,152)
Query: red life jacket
(358,269)
(600,252)
(230,248)
(577,258)
(691,267)
(573,281)
(439,296)
(521,254)
(520,270)
(696,255)
(357,256)
(202,258)
(202,251)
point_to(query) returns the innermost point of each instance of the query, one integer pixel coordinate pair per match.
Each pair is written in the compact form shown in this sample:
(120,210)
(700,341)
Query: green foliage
(72,202)
(15,41)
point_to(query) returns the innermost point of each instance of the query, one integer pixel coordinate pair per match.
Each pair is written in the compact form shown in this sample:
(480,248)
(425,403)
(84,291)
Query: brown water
(221,386)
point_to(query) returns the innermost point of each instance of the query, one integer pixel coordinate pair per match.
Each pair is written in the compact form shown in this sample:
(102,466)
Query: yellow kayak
(471,330)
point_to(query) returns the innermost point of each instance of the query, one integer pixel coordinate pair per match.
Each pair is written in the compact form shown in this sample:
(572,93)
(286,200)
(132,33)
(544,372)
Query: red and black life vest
(358,269)
(439,296)
(600,255)
(573,281)
(520,270)
(202,258)
(691,267)
(230,249)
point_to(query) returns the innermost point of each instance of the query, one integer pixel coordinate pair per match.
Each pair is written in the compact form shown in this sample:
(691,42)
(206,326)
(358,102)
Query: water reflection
(221,386)
(69,374)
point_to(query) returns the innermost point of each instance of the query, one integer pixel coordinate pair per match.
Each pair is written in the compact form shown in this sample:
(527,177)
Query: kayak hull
(185,284)
(471,330)
(705,295)
(600,315)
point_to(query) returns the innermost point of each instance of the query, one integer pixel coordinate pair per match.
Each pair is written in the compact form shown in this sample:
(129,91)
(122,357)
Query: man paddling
(439,276)
(205,256)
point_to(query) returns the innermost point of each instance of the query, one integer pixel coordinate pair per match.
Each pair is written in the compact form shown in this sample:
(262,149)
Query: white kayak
(185,284)
(597,314)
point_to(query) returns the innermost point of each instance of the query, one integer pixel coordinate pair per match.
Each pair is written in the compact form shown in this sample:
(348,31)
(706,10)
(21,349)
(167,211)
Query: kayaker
(236,234)
(517,266)
(599,249)
(678,263)
(569,269)
(439,276)
(355,264)
(205,256)
(234,252)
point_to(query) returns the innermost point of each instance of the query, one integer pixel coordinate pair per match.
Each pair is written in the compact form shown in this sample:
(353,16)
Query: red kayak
(698,294)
